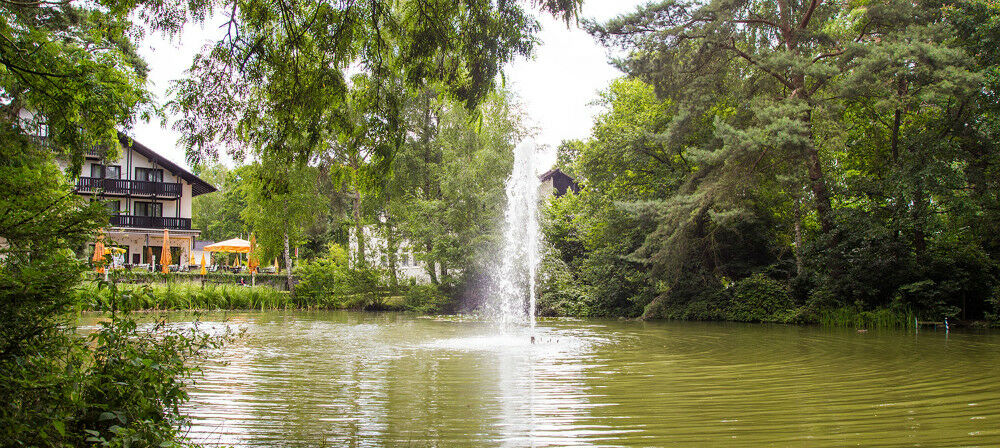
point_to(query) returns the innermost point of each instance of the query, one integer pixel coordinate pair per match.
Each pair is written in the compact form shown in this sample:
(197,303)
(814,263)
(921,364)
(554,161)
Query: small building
(408,267)
(146,193)
(556,182)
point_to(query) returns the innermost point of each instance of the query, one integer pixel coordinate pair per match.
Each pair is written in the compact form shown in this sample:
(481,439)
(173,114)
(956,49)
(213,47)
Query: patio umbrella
(275,265)
(236,245)
(203,264)
(99,253)
(165,252)
(252,263)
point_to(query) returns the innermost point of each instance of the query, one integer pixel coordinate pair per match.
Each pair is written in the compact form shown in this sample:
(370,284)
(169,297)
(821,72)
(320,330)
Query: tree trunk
(431,265)
(359,233)
(391,248)
(821,194)
(288,263)
(797,213)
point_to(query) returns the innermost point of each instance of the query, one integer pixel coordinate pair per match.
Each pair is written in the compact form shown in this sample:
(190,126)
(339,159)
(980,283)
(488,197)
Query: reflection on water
(349,379)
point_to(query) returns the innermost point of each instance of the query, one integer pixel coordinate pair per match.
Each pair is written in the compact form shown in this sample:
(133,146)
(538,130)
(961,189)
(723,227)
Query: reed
(182,296)
(881,318)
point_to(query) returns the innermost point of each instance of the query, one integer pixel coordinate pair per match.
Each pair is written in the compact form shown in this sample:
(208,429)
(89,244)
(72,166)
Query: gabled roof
(198,186)
(550,173)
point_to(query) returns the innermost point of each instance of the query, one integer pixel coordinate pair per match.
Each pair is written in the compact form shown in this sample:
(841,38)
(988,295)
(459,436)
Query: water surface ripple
(366,380)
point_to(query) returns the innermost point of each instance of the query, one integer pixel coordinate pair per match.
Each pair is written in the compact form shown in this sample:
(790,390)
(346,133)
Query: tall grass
(882,318)
(182,296)
(179,295)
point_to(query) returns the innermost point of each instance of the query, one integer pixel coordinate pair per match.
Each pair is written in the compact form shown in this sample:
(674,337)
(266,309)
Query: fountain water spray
(512,298)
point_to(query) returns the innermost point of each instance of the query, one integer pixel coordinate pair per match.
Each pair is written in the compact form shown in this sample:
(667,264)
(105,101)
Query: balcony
(123,187)
(151,222)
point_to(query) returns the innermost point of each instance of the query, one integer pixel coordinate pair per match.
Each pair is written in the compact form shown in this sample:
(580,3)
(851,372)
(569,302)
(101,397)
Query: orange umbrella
(203,264)
(165,252)
(252,262)
(99,253)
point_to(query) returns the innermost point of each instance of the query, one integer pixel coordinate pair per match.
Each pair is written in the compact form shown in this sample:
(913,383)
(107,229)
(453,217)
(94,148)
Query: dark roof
(198,186)
(560,181)
(200,245)
(548,174)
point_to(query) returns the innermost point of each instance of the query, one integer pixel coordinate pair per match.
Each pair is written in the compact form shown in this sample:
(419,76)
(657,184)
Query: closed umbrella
(203,272)
(165,259)
(99,254)
(252,263)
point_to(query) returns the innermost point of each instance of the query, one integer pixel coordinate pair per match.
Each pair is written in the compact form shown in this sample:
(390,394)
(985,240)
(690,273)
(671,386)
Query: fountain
(511,301)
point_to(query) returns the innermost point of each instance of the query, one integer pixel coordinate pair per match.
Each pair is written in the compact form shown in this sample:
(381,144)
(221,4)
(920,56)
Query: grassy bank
(177,295)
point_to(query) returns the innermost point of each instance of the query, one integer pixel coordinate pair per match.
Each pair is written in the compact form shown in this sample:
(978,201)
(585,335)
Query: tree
(277,83)
(281,201)
(447,184)
(217,215)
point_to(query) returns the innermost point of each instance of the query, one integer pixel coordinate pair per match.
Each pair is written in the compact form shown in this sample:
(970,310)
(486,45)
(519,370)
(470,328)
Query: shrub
(330,283)
(758,298)
(427,299)
(180,296)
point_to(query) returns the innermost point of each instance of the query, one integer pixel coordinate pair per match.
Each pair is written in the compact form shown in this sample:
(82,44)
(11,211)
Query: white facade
(376,254)
(147,194)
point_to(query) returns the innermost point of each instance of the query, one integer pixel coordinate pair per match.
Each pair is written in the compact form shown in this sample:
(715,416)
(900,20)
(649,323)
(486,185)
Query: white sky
(556,86)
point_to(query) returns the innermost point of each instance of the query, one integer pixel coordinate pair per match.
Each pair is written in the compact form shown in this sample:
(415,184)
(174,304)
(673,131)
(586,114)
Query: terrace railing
(125,187)
(151,222)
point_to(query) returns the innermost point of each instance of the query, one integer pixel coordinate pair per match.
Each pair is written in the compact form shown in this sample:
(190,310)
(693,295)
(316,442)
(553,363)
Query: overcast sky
(556,87)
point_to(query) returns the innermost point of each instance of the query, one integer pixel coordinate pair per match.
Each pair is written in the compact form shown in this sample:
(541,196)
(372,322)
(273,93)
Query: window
(149,174)
(114,206)
(157,251)
(105,171)
(148,209)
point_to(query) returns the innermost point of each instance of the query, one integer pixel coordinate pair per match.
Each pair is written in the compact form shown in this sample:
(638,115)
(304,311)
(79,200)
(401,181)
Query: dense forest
(815,163)
(777,162)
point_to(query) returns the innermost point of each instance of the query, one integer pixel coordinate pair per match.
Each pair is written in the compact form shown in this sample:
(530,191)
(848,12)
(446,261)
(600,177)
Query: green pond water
(355,379)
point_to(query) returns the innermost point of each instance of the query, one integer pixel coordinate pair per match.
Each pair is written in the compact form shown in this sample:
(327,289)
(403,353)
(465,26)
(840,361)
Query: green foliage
(758,298)
(136,383)
(330,283)
(428,299)
(218,215)
(182,296)
(845,153)
(121,386)
(880,318)
(277,83)
(446,193)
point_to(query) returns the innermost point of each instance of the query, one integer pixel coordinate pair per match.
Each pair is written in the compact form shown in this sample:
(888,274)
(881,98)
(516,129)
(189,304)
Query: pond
(359,379)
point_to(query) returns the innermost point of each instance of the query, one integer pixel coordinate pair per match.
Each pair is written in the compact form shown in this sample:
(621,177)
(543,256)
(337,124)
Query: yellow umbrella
(165,252)
(252,263)
(275,265)
(203,264)
(99,253)
(236,262)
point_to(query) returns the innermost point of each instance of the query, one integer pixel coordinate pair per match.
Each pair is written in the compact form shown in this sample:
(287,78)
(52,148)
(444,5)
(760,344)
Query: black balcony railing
(151,222)
(128,187)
